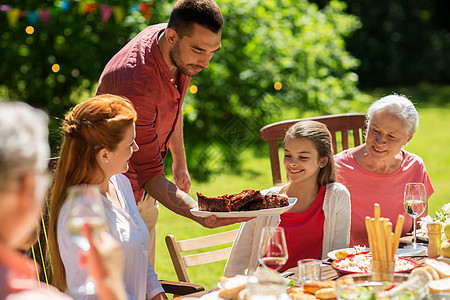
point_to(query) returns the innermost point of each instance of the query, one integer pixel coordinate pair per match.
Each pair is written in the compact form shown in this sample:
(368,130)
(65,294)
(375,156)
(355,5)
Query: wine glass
(273,252)
(85,207)
(415,203)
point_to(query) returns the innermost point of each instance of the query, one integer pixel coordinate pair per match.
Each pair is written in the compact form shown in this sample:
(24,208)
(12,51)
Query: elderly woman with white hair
(378,170)
(24,156)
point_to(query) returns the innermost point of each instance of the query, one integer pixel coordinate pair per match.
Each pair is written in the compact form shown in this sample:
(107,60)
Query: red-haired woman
(97,145)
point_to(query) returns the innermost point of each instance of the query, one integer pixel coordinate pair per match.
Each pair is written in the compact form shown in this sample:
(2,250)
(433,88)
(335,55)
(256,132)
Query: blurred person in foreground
(97,144)
(378,170)
(154,71)
(24,154)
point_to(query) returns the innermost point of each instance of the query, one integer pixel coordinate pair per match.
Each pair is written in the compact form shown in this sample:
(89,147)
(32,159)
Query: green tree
(401,42)
(289,42)
(79,43)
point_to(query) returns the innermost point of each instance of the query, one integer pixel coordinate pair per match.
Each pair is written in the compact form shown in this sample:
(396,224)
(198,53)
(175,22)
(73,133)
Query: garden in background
(279,60)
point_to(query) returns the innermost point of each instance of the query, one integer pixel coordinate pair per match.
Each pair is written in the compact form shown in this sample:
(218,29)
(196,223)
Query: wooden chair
(39,250)
(181,262)
(44,272)
(343,123)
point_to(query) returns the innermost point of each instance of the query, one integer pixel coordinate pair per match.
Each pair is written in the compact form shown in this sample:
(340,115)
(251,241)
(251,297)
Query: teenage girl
(319,221)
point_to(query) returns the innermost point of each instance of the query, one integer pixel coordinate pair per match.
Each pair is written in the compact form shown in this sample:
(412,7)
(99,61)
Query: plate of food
(229,288)
(403,252)
(362,263)
(408,252)
(248,203)
(364,286)
(343,253)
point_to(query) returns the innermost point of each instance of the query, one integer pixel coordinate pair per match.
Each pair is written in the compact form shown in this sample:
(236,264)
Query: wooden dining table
(327,272)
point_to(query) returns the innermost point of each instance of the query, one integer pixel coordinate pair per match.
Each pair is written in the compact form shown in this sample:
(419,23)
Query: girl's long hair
(97,123)
(318,133)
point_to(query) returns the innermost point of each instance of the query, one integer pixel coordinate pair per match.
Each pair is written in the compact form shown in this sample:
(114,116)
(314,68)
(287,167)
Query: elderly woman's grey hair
(23,141)
(398,105)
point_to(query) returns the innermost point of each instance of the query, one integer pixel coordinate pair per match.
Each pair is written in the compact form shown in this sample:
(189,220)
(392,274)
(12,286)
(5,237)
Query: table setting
(391,267)
(295,290)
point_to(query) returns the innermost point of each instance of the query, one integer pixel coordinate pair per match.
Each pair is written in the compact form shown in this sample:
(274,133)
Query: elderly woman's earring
(107,161)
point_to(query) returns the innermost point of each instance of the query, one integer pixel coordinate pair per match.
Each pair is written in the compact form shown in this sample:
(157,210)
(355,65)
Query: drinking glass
(85,207)
(415,203)
(308,270)
(273,252)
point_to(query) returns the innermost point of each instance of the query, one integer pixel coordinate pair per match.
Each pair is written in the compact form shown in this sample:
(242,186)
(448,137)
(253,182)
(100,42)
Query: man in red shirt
(154,71)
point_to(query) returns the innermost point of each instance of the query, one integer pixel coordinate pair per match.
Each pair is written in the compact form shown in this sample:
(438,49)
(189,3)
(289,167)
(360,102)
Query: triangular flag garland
(119,13)
(12,16)
(84,7)
(105,12)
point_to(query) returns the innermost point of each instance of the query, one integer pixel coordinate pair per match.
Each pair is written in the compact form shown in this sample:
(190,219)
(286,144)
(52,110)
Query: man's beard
(175,57)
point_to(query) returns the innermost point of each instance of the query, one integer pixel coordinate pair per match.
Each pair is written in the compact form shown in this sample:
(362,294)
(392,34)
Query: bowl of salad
(361,263)
(365,287)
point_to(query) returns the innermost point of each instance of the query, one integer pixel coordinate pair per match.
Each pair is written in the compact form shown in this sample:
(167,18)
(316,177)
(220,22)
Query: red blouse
(304,232)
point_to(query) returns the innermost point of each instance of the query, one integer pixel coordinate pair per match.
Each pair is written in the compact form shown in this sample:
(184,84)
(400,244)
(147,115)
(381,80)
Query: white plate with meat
(245,214)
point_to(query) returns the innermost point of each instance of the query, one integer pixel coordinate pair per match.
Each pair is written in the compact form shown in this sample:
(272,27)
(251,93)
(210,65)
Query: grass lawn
(430,142)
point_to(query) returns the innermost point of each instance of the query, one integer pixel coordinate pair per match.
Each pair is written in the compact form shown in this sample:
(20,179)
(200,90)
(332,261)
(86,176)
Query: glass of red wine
(273,252)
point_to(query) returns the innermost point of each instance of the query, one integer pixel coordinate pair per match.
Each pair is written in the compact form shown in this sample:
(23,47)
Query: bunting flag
(64,6)
(12,16)
(84,7)
(105,12)
(146,10)
(45,16)
(32,17)
(119,13)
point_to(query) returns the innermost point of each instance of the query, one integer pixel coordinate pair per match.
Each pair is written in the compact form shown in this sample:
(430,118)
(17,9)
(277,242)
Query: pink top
(18,279)
(304,232)
(139,73)
(367,188)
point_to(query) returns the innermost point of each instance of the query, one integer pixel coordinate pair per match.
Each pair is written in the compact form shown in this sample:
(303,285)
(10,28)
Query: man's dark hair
(202,12)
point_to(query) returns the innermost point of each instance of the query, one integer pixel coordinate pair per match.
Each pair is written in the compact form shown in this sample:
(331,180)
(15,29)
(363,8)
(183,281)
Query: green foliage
(401,42)
(263,42)
(79,43)
(423,93)
(292,42)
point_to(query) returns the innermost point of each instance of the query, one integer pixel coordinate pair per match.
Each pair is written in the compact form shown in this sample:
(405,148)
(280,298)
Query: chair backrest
(39,250)
(180,262)
(352,123)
